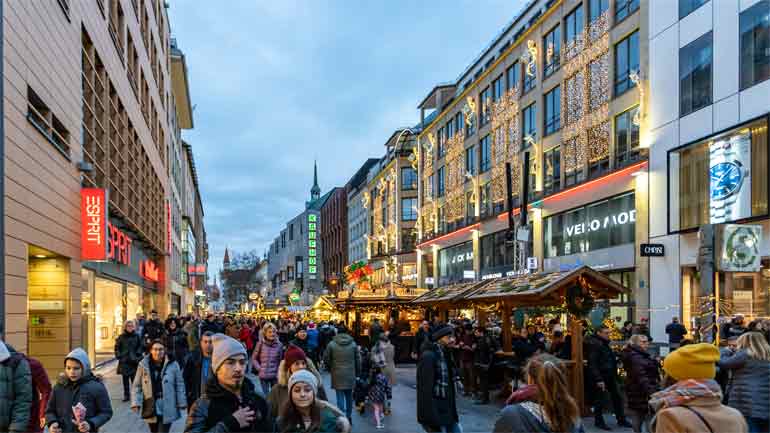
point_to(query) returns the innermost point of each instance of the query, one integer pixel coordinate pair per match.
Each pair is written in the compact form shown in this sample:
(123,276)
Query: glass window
(573,25)
(626,61)
(470,160)
(719,179)
(552,111)
(453,262)
(441,186)
(626,137)
(530,126)
(552,170)
(497,88)
(408,239)
(552,51)
(470,128)
(512,75)
(485,154)
(408,179)
(596,8)
(441,138)
(485,99)
(755,44)
(695,75)
(408,209)
(486,199)
(687,6)
(624,8)
(529,80)
(495,253)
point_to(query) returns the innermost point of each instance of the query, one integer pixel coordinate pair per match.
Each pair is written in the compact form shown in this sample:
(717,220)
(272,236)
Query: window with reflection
(552,51)
(755,44)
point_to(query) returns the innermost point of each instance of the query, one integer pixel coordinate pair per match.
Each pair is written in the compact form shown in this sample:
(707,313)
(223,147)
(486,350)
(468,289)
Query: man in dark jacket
(15,391)
(198,369)
(483,359)
(421,338)
(603,371)
(153,330)
(300,340)
(676,332)
(344,361)
(210,325)
(176,342)
(437,378)
(230,402)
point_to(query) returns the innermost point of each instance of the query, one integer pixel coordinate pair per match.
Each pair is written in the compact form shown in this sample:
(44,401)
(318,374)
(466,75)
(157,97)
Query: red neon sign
(197,269)
(149,270)
(119,246)
(93,218)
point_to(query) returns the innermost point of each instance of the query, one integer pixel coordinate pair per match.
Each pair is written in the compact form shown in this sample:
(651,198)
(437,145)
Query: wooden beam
(576,329)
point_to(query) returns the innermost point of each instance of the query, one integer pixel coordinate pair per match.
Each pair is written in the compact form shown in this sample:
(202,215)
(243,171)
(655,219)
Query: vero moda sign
(94,219)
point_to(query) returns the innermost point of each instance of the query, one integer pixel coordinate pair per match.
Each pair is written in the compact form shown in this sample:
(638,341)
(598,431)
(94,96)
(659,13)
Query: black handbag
(148,408)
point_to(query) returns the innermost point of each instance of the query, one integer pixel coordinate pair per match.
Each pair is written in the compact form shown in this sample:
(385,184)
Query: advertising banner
(94,237)
(739,250)
(730,178)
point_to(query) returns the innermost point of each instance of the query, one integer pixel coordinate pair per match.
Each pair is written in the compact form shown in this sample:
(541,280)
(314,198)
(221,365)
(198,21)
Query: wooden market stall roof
(447,294)
(400,294)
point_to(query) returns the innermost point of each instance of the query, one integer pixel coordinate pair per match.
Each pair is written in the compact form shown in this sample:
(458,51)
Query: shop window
(495,252)
(719,179)
(695,66)
(454,262)
(755,44)
(408,239)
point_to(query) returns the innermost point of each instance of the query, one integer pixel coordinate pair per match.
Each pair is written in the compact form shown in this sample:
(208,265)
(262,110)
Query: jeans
(454,428)
(758,425)
(345,401)
(127,380)
(267,384)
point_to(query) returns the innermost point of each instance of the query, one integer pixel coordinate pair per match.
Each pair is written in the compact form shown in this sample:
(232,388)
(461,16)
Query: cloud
(277,84)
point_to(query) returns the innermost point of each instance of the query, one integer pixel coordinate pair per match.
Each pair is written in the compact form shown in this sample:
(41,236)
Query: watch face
(726,179)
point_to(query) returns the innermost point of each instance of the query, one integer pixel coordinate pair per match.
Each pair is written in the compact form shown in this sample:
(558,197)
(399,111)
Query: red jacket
(246,337)
(40,401)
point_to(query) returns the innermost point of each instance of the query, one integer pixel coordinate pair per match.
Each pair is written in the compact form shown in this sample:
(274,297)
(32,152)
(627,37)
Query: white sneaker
(380,426)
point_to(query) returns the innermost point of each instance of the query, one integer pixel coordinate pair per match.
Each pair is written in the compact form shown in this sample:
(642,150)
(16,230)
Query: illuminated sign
(93,217)
(119,246)
(597,224)
(198,269)
(149,270)
(312,249)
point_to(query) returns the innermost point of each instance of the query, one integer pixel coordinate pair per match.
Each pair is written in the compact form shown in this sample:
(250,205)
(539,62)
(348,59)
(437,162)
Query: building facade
(557,96)
(709,160)
(358,215)
(334,238)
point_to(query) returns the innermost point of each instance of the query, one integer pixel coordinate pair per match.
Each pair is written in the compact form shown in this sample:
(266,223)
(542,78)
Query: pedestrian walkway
(474,418)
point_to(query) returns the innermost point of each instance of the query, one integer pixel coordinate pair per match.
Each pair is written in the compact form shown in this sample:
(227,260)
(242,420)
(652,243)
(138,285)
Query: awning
(296,308)
(447,293)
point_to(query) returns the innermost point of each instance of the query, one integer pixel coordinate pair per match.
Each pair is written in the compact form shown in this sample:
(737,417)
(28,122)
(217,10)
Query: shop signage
(492,276)
(429,280)
(312,251)
(469,275)
(253,296)
(517,273)
(740,248)
(653,250)
(532,263)
(149,270)
(409,277)
(119,246)
(198,269)
(93,217)
(596,224)
(730,178)
(460,258)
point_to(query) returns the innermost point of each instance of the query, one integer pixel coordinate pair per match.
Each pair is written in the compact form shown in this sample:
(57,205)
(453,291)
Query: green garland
(578,301)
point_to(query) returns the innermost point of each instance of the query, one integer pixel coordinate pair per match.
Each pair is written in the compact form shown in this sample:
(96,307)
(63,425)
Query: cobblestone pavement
(474,418)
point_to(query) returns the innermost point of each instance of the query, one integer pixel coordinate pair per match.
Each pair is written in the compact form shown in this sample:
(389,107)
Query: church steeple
(315,191)
(226,261)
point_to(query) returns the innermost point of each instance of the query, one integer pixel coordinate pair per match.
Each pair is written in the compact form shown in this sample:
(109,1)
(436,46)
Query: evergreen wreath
(579,301)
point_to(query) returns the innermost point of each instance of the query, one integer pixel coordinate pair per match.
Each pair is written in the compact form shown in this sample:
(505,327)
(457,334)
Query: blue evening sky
(278,83)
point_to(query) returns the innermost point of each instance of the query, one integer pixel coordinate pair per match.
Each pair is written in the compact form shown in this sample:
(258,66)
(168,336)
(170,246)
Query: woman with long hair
(554,411)
(304,413)
(750,385)
(159,393)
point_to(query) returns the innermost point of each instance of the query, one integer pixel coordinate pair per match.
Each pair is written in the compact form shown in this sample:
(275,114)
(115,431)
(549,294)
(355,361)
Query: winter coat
(484,355)
(245,337)
(679,419)
(192,376)
(211,327)
(421,339)
(302,344)
(390,361)
(174,397)
(193,338)
(266,358)
(642,377)
(750,385)
(153,330)
(88,390)
(332,421)
(374,333)
(176,346)
(42,392)
(279,393)
(380,389)
(213,412)
(602,364)
(128,350)
(522,418)
(675,331)
(344,361)
(434,412)
(312,338)
(15,391)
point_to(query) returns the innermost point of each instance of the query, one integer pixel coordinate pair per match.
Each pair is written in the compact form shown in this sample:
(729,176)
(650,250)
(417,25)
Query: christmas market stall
(572,293)
(441,301)
(324,310)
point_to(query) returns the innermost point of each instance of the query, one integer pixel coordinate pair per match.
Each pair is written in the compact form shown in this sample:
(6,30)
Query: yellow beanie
(693,361)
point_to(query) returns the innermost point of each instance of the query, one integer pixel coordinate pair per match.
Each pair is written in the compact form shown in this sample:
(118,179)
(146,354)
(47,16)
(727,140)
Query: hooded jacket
(213,412)
(88,390)
(15,391)
(279,394)
(344,361)
(174,397)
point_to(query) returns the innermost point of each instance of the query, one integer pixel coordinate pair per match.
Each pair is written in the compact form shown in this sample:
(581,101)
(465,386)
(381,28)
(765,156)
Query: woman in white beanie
(304,413)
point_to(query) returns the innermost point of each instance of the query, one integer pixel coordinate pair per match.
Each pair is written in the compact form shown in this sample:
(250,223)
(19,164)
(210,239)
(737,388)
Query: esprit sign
(93,218)
(149,270)
(596,224)
(119,246)
(312,249)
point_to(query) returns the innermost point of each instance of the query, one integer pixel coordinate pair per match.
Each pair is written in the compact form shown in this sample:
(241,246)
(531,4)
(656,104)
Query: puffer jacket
(266,358)
(213,412)
(344,360)
(750,385)
(174,397)
(15,391)
(279,394)
(642,377)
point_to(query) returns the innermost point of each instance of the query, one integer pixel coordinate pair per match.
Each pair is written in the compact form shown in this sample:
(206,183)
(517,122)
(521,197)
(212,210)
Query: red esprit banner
(149,270)
(93,218)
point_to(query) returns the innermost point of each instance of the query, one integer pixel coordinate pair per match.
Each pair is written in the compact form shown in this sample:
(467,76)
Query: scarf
(156,378)
(441,385)
(684,392)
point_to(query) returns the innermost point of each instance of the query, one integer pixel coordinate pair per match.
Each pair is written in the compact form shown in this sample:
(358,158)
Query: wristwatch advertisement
(730,179)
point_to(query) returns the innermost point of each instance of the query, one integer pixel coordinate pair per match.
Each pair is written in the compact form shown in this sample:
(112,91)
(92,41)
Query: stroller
(363,382)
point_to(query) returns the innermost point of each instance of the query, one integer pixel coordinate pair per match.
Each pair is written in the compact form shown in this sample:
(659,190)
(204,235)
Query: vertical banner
(168,227)
(94,219)
(730,178)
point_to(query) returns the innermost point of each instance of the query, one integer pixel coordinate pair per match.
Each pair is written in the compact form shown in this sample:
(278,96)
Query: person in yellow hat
(692,402)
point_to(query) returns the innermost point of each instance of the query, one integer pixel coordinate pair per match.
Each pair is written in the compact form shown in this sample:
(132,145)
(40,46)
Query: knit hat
(441,332)
(293,354)
(694,361)
(304,376)
(225,347)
